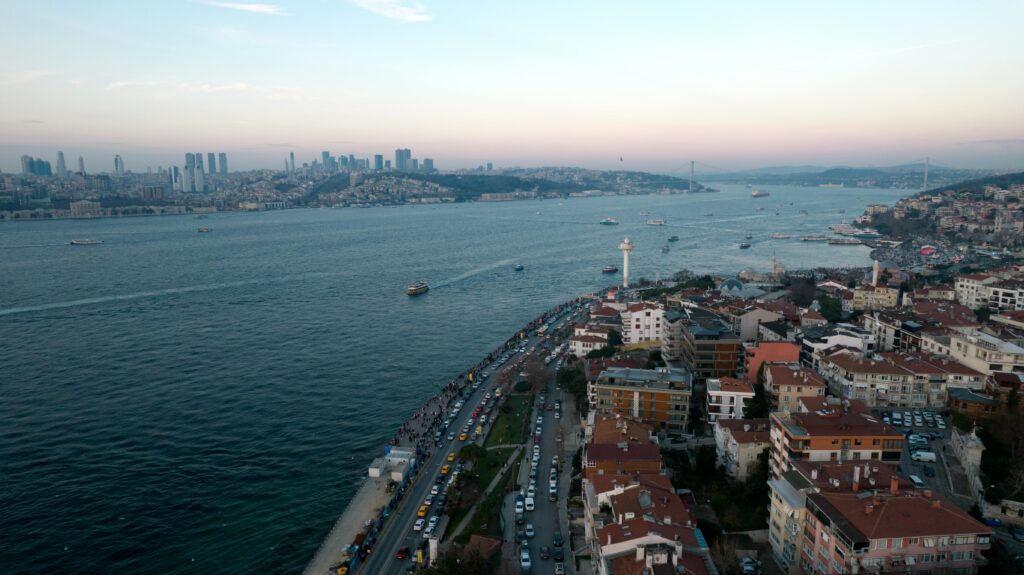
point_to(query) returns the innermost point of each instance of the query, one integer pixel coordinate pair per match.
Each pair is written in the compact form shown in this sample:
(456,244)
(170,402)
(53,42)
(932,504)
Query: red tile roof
(631,452)
(787,375)
(909,514)
(637,528)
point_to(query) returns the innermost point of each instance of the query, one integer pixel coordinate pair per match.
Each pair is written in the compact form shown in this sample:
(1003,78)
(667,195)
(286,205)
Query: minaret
(626,246)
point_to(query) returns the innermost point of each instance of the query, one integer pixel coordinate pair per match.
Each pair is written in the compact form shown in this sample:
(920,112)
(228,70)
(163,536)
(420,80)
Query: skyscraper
(326,158)
(189,177)
(378,162)
(200,181)
(62,170)
(402,157)
(415,165)
(81,165)
(428,164)
(210,161)
(118,165)
(27,166)
(223,164)
(291,165)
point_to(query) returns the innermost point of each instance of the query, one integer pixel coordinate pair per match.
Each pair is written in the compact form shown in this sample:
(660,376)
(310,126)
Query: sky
(731,85)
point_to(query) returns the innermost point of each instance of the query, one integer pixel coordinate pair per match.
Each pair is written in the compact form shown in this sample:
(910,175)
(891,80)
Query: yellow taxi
(423,511)
(445,469)
(463,436)
(451,456)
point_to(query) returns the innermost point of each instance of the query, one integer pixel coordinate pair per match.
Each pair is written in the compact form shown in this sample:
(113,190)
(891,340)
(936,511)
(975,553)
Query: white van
(916,481)
(529,503)
(928,456)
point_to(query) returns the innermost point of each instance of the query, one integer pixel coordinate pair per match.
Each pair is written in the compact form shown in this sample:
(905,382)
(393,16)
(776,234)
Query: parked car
(556,540)
(545,553)
(403,553)
(529,531)
(929,471)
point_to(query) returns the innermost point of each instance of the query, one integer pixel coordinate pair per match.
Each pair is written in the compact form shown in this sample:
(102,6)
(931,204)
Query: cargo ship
(417,288)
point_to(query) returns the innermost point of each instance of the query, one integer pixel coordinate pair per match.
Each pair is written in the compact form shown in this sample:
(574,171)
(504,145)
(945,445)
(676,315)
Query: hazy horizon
(735,86)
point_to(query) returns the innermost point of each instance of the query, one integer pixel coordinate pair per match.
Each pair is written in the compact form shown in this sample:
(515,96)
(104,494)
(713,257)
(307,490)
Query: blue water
(176,402)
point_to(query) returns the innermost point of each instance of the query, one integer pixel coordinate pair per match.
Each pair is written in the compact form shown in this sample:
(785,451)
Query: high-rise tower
(62,169)
(626,246)
(211,162)
(222,163)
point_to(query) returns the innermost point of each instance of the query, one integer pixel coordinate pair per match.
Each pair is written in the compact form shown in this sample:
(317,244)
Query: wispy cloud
(206,88)
(24,77)
(252,7)
(130,84)
(395,9)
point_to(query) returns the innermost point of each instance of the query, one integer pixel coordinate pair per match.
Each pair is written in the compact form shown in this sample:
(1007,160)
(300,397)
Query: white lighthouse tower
(626,246)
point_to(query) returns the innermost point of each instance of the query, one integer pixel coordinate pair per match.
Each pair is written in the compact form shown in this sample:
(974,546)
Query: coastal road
(399,530)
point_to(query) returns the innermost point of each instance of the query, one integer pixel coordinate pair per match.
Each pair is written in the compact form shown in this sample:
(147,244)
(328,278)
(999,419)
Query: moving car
(423,511)
(418,526)
(529,531)
(402,553)
(524,560)
(451,456)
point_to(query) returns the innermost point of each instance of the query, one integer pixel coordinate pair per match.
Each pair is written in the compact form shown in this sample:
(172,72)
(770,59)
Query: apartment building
(787,383)
(738,444)
(727,397)
(890,531)
(969,291)
(986,353)
(768,352)
(896,379)
(868,298)
(642,322)
(659,397)
(708,345)
(841,433)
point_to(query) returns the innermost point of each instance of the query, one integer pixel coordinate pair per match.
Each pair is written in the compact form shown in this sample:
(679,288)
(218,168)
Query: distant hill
(906,176)
(976,186)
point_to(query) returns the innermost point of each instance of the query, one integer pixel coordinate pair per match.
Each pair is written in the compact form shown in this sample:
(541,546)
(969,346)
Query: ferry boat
(814,238)
(204,230)
(656,222)
(417,288)
(609,269)
(759,194)
(867,235)
(519,267)
(744,245)
(86,242)
(609,222)
(781,236)
(673,238)
(844,242)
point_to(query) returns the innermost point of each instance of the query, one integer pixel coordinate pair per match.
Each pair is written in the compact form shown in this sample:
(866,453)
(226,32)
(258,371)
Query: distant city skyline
(737,85)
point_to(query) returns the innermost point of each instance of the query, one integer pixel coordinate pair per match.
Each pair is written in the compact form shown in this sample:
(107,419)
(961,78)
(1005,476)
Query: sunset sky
(731,84)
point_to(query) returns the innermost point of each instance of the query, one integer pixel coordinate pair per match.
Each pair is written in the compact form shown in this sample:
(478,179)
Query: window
(879,543)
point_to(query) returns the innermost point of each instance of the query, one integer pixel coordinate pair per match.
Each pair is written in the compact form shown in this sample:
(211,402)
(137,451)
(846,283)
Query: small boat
(709,214)
(202,217)
(803,212)
(842,211)
(759,194)
(645,213)
(519,267)
(760,209)
(781,236)
(609,269)
(749,236)
(665,249)
(609,222)
(744,245)
(204,230)
(86,242)
(656,222)
(417,288)
(673,238)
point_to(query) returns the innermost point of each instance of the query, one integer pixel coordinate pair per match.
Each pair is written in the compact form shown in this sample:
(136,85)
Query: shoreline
(365,515)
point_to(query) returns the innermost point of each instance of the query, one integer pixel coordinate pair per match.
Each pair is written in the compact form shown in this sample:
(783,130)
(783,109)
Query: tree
(831,309)
(472,453)
(983,314)
(707,462)
(614,338)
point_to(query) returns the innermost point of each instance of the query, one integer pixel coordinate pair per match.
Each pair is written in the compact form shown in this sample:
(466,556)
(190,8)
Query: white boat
(85,242)
(656,222)
(781,236)
(759,194)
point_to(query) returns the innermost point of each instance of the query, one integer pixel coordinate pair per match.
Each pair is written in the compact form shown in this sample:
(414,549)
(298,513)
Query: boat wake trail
(156,293)
(470,273)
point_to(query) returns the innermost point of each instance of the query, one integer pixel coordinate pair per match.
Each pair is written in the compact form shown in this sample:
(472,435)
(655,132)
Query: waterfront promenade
(373,524)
